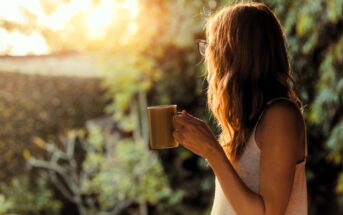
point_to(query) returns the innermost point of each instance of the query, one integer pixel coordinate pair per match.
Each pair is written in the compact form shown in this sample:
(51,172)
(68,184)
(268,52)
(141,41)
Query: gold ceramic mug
(160,119)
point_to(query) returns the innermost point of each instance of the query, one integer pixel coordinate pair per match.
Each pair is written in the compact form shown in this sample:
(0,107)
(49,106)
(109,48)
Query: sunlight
(10,10)
(16,43)
(97,19)
(103,15)
(132,7)
(64,13)
(100,18)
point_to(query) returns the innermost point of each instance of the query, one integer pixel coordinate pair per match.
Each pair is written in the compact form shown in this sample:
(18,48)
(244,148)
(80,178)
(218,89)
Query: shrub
(39,105)
(21,196)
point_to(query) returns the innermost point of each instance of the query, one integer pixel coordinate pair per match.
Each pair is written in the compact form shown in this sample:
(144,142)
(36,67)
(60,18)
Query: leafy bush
(114,174)
(21,196)
(35,105)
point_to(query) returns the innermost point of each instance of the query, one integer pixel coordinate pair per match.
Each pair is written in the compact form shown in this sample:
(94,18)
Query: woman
(259,158)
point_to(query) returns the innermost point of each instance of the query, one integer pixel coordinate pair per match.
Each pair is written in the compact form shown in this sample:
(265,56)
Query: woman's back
(248,169)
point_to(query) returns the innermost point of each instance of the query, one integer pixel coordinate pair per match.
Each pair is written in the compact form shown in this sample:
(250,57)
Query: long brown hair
(247,65)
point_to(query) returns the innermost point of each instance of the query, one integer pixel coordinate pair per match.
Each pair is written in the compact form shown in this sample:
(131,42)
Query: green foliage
(35,105)
(125,77)
(340,186)
(334,143)
(5,205)
(114,173)
(329,88)
(20,196)
(129,164)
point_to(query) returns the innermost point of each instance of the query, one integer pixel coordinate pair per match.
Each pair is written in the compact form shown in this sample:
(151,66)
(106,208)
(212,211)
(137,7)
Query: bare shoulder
(282,128)
(281,136)
(282,112)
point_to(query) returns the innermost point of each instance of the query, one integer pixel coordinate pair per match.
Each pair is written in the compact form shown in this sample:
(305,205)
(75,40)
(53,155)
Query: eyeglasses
(202,46)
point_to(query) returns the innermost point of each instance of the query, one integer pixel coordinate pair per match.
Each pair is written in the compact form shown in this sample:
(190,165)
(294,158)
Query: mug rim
(159,106)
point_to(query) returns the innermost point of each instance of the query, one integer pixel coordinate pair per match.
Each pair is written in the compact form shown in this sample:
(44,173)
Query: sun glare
(16,43)
(63,14)
(97,17)
(102,16)
(132,7)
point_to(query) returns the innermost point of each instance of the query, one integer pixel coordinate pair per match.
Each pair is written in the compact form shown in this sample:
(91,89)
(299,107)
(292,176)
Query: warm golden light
(16,43)
(97,17)
(100,17)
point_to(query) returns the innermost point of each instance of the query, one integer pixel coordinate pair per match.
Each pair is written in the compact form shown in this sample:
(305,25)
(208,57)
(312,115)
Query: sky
(97,19)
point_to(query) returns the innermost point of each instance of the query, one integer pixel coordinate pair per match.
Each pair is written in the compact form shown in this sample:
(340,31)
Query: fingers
(179,121)
(192,118)
(178,136)
(184,120)
(179,124)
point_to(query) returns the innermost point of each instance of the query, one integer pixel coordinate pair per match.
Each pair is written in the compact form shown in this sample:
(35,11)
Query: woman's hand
(195,135)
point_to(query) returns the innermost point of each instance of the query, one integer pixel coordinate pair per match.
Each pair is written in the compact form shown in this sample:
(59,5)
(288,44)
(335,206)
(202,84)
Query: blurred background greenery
(76,78)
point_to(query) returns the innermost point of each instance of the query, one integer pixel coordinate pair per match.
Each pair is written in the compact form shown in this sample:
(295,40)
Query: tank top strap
(287,99)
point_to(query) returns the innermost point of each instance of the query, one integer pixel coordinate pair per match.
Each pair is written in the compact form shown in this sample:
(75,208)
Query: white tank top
(248,168)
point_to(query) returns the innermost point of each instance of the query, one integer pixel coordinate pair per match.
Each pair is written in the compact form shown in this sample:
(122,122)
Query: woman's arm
(242,199)
(280,134)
